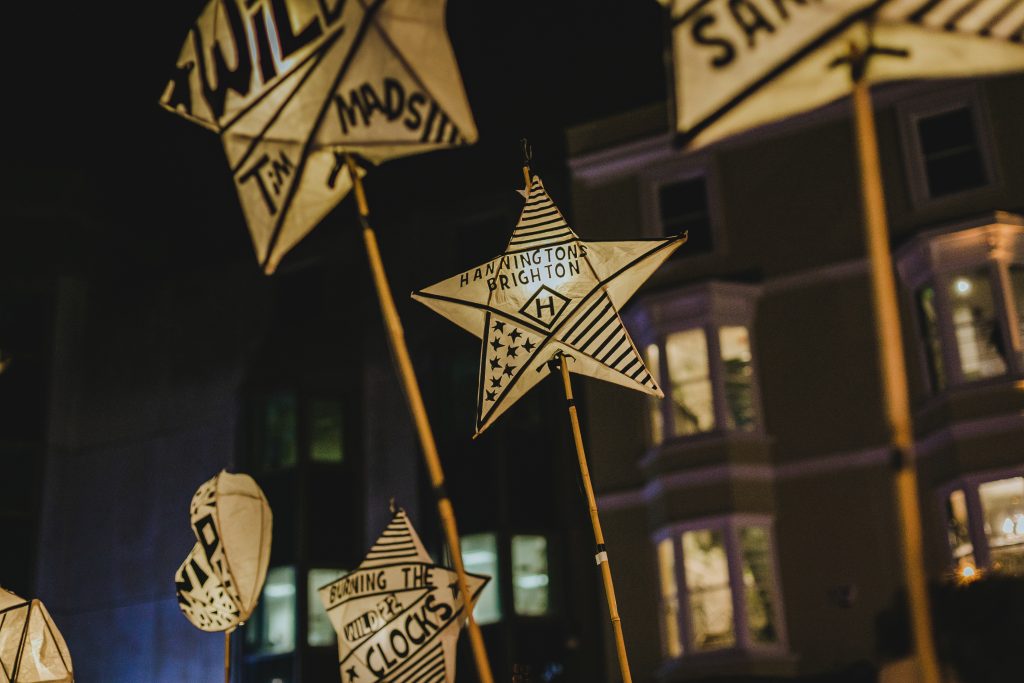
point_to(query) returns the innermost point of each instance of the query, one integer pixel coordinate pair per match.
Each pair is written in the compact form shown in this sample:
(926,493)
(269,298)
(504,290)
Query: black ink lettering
(237,79)
(289,42)
(750,19)
(726,51)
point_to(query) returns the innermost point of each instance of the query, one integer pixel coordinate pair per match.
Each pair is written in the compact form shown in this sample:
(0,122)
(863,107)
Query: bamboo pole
(602,553)
(892,369)
(396,336)
(227,656)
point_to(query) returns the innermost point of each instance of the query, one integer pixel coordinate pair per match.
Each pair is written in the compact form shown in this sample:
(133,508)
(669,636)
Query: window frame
(970,485)
(729,526)
(936,259)
(911,111)
(708,307)
(652,180)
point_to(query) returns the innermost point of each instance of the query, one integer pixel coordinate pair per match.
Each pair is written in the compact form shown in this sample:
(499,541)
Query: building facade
(757,511)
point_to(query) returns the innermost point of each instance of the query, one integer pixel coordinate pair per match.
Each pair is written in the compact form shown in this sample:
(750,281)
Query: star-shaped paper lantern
(292,85)
(550,292)
(219,583)
(398,614)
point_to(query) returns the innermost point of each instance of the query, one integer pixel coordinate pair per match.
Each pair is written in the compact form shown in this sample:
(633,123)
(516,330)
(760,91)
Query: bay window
(985,524)
(968,296)
(718,587)
(697,344)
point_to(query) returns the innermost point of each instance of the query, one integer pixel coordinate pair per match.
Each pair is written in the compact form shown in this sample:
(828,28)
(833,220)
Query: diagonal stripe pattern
(549,292)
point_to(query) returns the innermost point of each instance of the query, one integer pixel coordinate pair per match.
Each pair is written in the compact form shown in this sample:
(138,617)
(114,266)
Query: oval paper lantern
(219,583)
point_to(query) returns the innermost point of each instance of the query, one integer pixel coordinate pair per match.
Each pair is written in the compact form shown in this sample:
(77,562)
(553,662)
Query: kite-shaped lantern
(293,85)
(550,292)
(740,63)
(219,583)
(32,650)
(398,615)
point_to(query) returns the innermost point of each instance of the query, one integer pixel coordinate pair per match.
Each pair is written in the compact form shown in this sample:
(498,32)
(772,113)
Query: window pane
(1002,503)
(672,644)
(683,206)
(275,432)
(978,339)
(707,580)
(739,377)
(929,318)
(653,402)
(319,629)
(952,155)
(759,583)
(325,443)
(687,356)
(1017,282)
(958,531)
(272,627)
(480,556)
(530,581)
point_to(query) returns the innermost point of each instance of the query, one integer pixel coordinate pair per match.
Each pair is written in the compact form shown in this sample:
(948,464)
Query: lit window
(985,525)
(734,341)
(706,568)
(929,319)
(958,529)
(275,437)
(758,582)
(530,579)
(319,630)
(1002,504)
(683,207)
(978,338)
(480,556)
(657,426)
(325,432)
(686,355)
(671,640)
(950,152)
(271,629)
(1017,285)
(731,597)
(968,287)
(701,353)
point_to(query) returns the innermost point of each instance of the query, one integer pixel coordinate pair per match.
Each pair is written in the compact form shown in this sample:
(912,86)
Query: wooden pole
(893,372)
(396,336)
(602,554)
(227,656)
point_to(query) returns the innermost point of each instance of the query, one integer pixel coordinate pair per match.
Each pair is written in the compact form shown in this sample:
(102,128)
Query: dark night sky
(99,177)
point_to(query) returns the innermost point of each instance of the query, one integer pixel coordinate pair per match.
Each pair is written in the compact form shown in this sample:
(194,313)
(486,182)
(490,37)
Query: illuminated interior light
(963,286)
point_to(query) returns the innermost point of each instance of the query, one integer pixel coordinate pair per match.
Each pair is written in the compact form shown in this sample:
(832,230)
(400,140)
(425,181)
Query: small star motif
(491,395)
(529,345)
(497,343)
(509,369)
(495,364)
(515,334)
(499,326)
(352,674)
(511,351)
(496,381)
